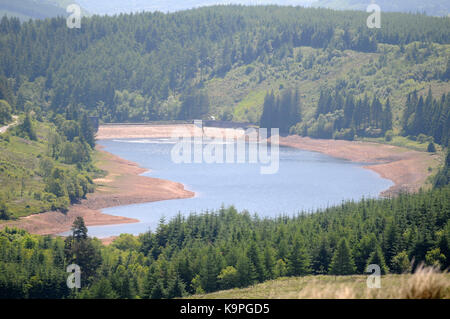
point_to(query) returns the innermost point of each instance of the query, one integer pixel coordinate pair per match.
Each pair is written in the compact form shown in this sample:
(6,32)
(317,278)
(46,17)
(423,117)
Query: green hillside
(43,167)
(350,81)
(232,55)
(386,73)
(432,7)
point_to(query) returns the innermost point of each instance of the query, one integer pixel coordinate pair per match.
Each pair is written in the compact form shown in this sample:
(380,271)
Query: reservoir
(305,181)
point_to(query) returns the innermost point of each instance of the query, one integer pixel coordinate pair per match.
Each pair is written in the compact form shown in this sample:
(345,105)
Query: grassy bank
(20,181)
(26,168)
(426,283)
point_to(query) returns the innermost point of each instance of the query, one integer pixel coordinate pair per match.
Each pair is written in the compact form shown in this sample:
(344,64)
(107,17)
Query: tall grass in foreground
(425,283)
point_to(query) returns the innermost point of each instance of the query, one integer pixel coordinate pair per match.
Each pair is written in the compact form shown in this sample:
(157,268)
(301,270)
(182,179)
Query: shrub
(4,212)
(344,134)
(389,135)
(401,263)
(228,278)
(431,148)
(422,138)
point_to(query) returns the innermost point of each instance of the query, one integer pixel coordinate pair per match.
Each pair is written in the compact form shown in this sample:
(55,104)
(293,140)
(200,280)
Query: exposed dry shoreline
(408,169)
(124,185)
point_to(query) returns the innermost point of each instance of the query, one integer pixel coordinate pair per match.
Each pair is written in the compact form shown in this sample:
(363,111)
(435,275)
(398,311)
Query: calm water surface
(305,181)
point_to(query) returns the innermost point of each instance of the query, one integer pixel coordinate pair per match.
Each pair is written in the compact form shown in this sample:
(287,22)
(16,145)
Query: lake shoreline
(407,169)
(124,184)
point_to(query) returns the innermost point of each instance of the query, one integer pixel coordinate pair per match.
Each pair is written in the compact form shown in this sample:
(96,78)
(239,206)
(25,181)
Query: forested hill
(432,7)
(218,61)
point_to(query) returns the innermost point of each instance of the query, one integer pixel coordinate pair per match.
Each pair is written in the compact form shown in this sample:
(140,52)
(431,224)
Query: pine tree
(254,255)
(102,290)
(176,287)
(246,271)
(269,262)
(376,113)
(342,262)
(27,127)
(325,103)
(431,148)
(391,244)
(80,250)
(349,109)
(418,117)
(296,109)
(363,250)
(268,115)
(387,117)
(87,131)
(210,271)
(79,229)
(322,258)
(298,260)
(377,258)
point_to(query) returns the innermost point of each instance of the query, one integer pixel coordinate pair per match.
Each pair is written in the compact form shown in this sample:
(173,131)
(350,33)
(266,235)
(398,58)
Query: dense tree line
(226,249)
(281,112)
(428,116)
(342,116)
(155,55)
(194,106)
